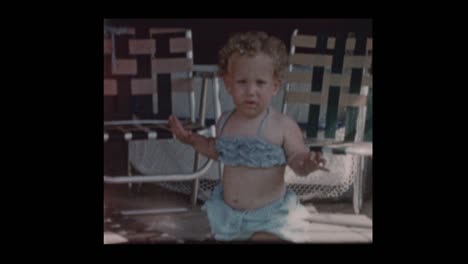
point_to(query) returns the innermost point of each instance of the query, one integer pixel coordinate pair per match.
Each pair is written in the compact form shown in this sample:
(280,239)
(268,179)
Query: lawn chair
(329,78)
(144,69)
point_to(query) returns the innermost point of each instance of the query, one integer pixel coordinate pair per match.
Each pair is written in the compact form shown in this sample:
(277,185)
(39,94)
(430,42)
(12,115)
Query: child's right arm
(203,145)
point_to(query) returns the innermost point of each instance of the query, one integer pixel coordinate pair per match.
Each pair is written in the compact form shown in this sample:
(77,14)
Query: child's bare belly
(251,188)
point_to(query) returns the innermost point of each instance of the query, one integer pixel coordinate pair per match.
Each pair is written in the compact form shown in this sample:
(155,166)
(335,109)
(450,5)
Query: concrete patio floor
(190,226)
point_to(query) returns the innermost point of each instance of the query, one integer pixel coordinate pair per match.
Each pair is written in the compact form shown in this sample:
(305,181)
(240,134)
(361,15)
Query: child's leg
(265,237)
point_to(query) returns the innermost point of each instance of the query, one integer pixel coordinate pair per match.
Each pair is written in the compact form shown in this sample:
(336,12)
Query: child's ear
(276,85)
(227,83)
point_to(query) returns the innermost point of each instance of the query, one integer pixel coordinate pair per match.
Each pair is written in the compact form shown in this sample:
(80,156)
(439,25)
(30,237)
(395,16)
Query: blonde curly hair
(251,43)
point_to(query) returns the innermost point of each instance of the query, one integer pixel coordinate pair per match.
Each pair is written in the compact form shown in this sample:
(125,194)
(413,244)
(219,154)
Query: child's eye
(261,82)
(241,81)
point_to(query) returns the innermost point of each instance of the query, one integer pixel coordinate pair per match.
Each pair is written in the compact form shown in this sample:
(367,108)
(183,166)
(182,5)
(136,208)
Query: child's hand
(309,162)
(181,134)
(313,161)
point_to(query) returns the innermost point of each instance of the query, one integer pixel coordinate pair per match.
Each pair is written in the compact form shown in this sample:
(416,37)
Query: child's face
(251,82)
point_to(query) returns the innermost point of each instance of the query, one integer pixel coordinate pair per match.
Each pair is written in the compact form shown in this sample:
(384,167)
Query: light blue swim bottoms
(283,218)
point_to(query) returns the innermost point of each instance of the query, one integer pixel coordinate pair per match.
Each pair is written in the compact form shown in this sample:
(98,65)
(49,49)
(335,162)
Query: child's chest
(270,131)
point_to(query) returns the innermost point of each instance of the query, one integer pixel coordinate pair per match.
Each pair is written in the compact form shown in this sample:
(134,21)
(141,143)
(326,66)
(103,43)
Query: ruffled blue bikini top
(248,151)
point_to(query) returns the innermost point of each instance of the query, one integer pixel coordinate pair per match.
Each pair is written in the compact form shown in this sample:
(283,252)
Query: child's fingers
(321,159)
(318,156)
(312,156)
(175,125)
(178,129)
(324,169)
(171,121)
(315,160)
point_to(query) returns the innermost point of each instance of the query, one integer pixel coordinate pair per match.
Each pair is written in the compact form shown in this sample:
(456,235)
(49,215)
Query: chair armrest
(354,148)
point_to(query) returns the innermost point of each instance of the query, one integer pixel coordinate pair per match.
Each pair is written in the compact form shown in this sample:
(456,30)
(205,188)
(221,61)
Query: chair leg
(193,198)
(357,188)
(129,172)
(131,186)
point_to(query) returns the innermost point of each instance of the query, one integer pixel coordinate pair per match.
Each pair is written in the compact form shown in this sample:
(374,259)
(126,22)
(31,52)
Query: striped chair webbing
(142,65)
(311,57)
(336,69)
(358,61)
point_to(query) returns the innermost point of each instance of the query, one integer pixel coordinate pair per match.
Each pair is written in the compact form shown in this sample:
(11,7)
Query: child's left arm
(300,159)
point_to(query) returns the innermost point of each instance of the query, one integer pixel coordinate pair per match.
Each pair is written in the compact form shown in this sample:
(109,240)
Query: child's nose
(251,88)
